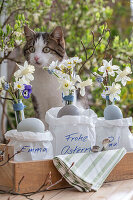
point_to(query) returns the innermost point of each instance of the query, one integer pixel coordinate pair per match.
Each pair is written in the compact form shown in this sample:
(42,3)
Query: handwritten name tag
(75,143)
(75,137)
(28,149)
(68,150)
(113,141)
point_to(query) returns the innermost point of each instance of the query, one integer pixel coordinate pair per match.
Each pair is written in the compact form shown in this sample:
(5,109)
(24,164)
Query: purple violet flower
(27,91)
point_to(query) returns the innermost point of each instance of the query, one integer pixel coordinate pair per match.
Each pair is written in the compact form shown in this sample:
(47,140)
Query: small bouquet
(69,81)
(18,88)
(110,78)
(111,75)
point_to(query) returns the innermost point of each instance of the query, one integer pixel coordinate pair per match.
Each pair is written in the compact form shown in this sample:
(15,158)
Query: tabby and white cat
(40,50)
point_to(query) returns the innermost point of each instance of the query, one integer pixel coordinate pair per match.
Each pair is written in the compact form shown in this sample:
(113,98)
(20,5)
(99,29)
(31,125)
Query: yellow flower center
(63,71)
(66,84)
(108,68)
(25,71)
(19,86)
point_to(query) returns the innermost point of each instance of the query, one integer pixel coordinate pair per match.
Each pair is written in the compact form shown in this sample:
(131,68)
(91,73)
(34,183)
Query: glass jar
(19,111)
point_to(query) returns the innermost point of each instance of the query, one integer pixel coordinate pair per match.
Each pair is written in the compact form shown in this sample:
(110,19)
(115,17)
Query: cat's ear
(58,35)
(29,34)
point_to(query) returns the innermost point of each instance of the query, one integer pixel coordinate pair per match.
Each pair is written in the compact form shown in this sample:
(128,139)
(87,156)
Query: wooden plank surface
(123,170)
(39,170)
(120,190)
(6,171)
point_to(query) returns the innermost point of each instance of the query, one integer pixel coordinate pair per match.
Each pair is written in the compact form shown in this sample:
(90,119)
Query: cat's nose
(36,58)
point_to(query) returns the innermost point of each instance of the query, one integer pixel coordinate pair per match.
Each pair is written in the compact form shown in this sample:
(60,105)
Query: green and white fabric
(89,170)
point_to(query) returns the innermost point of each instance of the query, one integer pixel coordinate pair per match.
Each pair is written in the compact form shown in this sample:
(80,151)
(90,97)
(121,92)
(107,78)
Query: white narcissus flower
(62,67)
(68,64)
(122,75)
(66,86)
(83,84)
(113,91)
(108,68)
(53,65)
(25,72)
(76,60)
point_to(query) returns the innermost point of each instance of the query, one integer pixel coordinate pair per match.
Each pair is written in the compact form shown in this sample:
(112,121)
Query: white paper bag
(35,146)
(72,134)
(117,131)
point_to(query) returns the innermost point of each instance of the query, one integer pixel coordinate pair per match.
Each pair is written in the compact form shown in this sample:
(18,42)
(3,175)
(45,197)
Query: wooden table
(120,190)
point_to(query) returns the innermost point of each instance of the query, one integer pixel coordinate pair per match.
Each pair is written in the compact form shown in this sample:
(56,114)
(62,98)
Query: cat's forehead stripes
(40,43)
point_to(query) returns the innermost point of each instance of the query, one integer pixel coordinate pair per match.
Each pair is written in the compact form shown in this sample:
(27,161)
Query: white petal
(110,62)
(119,91)
(118,78)
(115,67)
(123,82)
(105,74)
(26,64)
(78,78)
(127,78)
(111,97)
(105,63)
(112,73)
(101,69)
(117,97)
(82,91)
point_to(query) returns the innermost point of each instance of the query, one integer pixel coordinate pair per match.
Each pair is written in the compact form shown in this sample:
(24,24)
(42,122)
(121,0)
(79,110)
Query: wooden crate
(35,172)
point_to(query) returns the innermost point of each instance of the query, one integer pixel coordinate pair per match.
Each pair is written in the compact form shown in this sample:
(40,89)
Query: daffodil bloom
(70,65)
(122,75)
(76,60)
(66,86)
(62,68)
(53,65)
(25,72)
(108,68)
(113,92)
(83,84)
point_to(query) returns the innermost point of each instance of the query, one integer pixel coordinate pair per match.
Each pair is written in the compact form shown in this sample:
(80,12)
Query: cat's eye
(32,49)
(46,50)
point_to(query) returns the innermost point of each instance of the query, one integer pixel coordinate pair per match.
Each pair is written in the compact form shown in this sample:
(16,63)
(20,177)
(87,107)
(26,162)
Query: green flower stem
(18,94)
(56,75)
(109,79)
(14,98)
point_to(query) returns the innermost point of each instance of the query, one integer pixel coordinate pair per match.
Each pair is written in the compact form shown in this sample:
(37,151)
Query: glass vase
(19,111)
(112,112)
(69,108)
(68,99)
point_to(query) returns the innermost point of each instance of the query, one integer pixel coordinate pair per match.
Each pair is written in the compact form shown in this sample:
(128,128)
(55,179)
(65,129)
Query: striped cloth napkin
(88,171)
